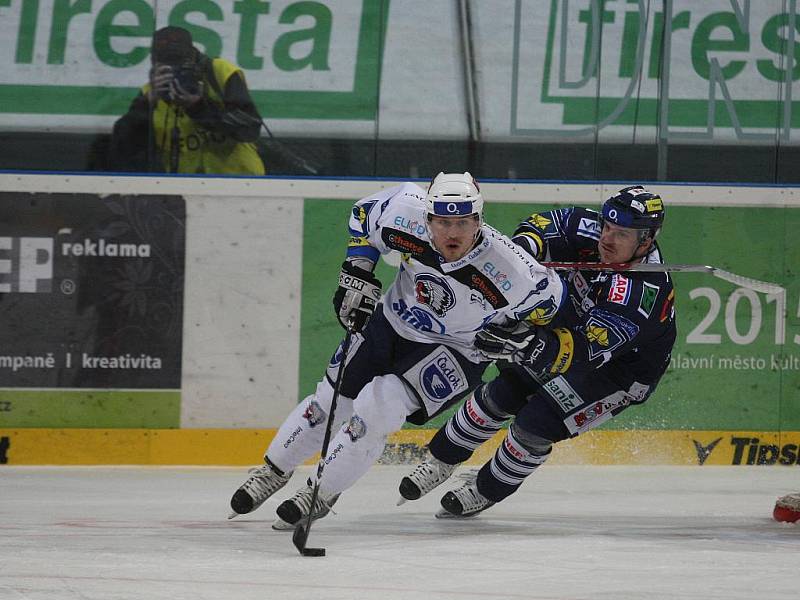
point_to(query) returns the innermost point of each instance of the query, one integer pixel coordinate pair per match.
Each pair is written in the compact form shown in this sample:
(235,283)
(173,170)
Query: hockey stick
(738,280)
(300,535)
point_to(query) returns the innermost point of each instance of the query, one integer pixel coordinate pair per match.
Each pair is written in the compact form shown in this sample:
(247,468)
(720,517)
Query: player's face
(453,237)
(621,244)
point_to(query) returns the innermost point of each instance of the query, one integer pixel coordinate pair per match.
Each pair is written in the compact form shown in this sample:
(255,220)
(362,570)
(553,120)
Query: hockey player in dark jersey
(605,354)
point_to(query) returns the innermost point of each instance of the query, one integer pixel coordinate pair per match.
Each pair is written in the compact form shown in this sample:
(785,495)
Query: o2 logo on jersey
(434,292)
(442,377)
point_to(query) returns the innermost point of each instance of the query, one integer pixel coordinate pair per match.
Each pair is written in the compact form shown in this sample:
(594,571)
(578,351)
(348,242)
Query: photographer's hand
(182,97)
(160,82)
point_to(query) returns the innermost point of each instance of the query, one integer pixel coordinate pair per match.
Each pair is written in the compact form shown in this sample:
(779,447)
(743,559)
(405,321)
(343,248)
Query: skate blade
(281,525)
(445,514)
(402,501)
(233,515)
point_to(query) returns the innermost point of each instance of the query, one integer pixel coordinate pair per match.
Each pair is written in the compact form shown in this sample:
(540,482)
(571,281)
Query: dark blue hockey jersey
(623,322)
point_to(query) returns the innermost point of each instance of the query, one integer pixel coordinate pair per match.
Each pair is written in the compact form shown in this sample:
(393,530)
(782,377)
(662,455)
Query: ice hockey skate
(425,477)
(262,483)
(465,501)
(295,509)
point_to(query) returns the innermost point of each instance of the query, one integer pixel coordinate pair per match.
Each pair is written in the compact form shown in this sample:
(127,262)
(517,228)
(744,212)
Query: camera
(188,77)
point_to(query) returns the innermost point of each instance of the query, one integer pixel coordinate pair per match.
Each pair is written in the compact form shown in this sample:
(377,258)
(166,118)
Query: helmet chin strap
(634,257)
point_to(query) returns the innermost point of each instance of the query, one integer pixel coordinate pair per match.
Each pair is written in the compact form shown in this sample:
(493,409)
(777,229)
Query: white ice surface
(571,533)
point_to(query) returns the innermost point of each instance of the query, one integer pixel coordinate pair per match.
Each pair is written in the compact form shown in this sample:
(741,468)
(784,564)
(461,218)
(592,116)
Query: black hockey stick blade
(299,538)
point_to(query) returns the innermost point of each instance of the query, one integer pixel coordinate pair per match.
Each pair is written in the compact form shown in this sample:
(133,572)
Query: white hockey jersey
(435,302)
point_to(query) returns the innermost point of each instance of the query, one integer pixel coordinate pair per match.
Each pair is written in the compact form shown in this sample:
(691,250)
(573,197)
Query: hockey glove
(543,350)
(357,296)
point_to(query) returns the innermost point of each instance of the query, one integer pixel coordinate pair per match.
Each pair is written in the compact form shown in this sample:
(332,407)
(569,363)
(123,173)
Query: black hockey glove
(544,350)
(513,342)
(357,296)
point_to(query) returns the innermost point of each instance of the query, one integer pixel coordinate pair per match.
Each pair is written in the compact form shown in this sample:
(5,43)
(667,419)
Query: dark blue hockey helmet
(636,208)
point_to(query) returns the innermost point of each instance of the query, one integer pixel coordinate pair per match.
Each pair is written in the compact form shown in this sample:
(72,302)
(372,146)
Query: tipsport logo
(731,66)
(747,450)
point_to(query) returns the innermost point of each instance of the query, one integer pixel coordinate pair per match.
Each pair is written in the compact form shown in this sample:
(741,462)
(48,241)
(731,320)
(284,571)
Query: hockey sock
(469,427)
(510,465)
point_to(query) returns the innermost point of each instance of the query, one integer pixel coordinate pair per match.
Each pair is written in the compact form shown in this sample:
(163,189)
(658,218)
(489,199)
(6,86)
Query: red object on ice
(787,509)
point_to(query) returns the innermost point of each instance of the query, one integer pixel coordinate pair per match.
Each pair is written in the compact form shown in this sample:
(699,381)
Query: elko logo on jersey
(411,225)
(500,279)
(433,291)
(442,378)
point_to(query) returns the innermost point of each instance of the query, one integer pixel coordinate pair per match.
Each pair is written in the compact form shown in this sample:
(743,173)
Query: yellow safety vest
(201,150)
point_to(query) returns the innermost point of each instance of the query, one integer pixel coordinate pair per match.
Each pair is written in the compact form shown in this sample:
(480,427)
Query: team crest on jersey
(620,291)
(314,414)
(539,221)
(606,331)
(434,292)
(442,377)
(542,312)
(356,428)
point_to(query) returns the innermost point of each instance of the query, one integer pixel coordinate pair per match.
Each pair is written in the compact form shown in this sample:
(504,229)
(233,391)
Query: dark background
(424,158)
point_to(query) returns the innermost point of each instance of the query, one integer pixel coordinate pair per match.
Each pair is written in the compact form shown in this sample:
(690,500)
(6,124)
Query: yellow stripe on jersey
(358,241)
(538,244)
(566,350)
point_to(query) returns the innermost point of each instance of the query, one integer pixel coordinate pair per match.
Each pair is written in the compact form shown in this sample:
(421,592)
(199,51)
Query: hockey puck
(787,509)
(313,551)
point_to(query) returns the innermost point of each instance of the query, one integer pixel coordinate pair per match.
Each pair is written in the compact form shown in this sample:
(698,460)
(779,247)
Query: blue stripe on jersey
(369,252)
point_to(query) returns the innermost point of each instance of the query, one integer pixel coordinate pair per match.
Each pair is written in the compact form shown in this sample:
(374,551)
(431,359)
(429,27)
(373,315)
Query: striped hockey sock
(469,427)
(509,467)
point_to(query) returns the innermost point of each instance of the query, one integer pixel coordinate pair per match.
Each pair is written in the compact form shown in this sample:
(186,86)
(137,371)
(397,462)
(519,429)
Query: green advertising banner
(302,59)
(736,364)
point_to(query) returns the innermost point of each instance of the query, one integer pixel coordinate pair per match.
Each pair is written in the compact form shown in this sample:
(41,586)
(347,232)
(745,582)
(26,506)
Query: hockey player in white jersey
(412,352)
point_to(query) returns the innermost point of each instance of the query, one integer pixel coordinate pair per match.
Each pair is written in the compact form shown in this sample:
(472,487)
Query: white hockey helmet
(454,195)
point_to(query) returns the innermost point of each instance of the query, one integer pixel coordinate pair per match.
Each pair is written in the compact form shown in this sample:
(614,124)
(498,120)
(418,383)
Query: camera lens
(188,80)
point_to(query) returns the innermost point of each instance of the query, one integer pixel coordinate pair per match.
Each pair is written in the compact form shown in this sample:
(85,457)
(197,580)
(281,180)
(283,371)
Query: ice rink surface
(571,533)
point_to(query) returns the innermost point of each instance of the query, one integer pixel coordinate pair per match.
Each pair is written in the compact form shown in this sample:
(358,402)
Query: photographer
(194,116)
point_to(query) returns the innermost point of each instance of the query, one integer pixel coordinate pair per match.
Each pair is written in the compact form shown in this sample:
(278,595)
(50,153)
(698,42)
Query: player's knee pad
(534,443)
(316,407)
(485,395)
(380,409)
(506,394)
